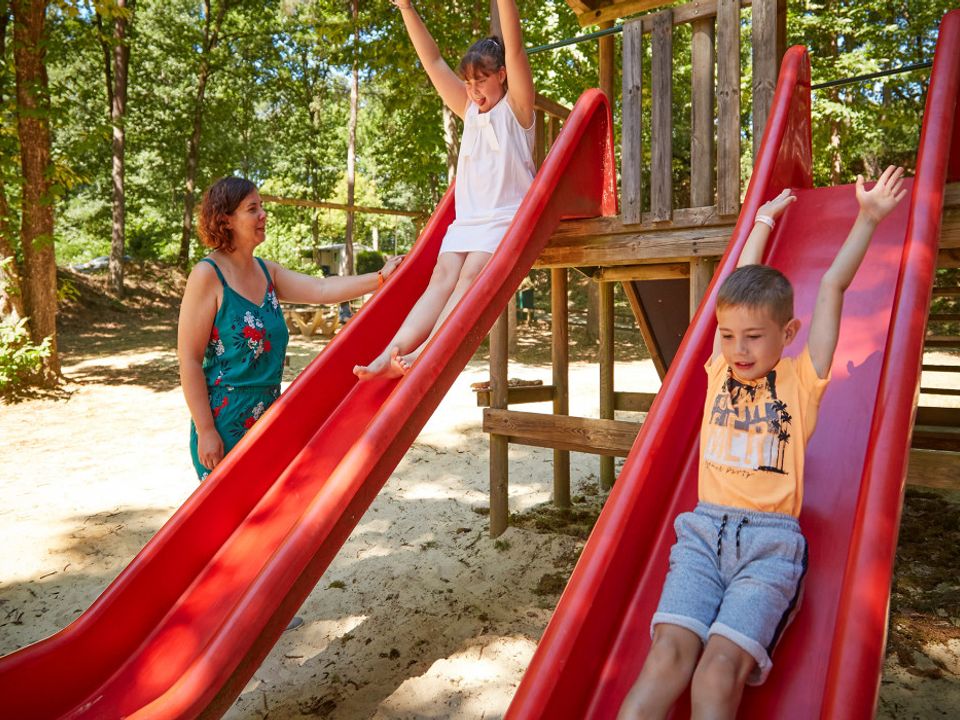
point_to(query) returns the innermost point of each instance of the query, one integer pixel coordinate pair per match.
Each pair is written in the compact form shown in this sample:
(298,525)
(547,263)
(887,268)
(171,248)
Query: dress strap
(263,266)
(223,280)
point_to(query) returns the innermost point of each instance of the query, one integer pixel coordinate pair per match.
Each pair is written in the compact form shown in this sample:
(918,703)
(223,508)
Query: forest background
(117,113)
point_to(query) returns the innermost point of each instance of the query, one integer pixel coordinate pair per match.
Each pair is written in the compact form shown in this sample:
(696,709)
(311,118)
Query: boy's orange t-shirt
(754,434)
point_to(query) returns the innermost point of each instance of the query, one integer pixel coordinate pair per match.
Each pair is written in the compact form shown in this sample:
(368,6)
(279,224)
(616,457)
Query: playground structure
(664,259)
(184,626)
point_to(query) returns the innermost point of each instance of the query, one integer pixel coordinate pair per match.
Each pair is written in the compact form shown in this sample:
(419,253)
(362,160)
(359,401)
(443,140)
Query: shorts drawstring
(723,525)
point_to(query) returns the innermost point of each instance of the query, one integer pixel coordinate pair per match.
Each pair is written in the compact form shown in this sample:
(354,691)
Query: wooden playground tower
(664,258)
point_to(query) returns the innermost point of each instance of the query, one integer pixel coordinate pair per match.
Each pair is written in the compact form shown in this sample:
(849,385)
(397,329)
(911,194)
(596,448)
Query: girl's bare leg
(422,317)
(472,265)
(665,674)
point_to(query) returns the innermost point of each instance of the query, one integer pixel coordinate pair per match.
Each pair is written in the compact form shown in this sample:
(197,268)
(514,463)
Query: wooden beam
(701,273)
(560,360)
(539,138)
(599,437)
(519,395)
(766,64)
(701,112)
(728,106)
(631,248)
(340,206)
(633,401)
(608,66)
(631,163)
(683,218)
(646,329)
(626,273)
(934,469)
(499,465)
(606,362)
(661,122)
(550,107)
(626,8)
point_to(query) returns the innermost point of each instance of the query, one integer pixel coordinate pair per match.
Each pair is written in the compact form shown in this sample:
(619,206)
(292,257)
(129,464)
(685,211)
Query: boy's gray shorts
(735,573)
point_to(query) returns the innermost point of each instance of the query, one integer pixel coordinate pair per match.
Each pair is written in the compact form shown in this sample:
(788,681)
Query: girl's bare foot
(398,366)
(388,365)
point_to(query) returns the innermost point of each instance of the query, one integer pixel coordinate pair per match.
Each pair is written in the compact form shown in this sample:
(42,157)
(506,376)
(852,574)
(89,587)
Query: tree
(11,299)
(352,137)
(36,215)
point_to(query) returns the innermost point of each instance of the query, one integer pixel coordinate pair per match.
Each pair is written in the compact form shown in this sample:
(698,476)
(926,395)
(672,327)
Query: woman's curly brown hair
(219,201)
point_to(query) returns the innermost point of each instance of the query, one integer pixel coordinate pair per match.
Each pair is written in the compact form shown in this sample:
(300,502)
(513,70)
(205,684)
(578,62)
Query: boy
(737,567)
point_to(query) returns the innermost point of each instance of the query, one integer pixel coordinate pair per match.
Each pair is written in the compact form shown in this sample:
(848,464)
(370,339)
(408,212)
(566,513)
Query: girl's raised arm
(448,85)
(520,91)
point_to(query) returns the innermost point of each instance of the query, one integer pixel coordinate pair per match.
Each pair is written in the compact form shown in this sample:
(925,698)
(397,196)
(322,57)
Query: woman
(232,337)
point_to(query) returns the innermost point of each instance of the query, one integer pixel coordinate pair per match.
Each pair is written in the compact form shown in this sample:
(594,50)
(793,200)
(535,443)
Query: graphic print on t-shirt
(749,426)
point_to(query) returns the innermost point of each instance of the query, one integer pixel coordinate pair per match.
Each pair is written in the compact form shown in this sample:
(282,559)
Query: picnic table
(308,319)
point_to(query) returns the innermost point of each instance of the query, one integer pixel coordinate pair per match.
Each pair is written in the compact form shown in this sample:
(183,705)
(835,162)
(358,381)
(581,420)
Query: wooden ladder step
(943,317)
(946,292)
(955,392)
(942,341)
(940,368)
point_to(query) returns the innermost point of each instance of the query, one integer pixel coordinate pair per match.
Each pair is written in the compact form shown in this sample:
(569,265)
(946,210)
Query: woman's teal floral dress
(243,363)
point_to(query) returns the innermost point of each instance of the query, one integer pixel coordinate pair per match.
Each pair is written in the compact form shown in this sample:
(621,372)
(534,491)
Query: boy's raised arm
(875,204)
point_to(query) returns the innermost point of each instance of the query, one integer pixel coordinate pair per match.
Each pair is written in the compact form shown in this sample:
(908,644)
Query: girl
(232,338)
(494,169)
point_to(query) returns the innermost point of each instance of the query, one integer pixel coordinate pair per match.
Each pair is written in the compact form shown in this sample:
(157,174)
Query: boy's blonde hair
(758,286)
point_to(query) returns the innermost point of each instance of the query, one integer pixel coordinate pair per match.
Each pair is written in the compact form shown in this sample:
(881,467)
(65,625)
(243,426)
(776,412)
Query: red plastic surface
(828,664)
(186,624)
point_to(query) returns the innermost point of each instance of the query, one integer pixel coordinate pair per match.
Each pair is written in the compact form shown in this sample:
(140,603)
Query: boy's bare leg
(719,679)
(472,265)
(422,317)
(666,673)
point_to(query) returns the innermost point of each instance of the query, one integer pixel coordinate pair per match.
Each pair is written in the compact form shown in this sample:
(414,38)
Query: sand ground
(420,615)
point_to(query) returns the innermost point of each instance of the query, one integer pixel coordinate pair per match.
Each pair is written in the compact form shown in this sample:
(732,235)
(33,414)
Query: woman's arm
(197,313)
(299,288)
(448,85)
(520,91)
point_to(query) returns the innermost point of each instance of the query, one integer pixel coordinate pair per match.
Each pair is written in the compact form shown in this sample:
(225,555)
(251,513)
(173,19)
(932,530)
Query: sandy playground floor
(421,615)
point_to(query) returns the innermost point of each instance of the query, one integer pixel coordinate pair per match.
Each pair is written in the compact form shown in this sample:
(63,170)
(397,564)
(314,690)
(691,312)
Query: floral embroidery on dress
(252,337)
(272,297)
(216,344)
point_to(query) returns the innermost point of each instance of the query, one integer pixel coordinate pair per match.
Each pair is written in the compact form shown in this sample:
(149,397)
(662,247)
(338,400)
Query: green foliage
(368,261)
(19,357)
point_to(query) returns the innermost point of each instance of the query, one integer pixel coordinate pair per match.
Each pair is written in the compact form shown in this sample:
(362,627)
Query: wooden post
(554,130)
(701,138)
(499,469)
(661,124)
(631,163)
(539,138)
(606,374)
(608,66)
(701,273)
(560,354)
(766,63)
(728,107)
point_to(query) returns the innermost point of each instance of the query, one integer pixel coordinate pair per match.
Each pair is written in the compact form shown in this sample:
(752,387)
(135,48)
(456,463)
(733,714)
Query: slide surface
(186,624)
(829,662)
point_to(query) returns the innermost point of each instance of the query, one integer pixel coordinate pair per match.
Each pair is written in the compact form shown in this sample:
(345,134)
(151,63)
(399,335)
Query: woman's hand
(390,266)
(774,208)
(209,448)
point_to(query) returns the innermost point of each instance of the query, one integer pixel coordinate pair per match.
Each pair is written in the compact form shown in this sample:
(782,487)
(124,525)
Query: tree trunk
(11,297)
(36,222)
(211,35)
(352,143)
(452,140)
(118,109)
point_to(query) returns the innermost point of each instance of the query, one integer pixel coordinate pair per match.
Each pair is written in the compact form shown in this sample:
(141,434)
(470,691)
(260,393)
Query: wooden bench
(308,319)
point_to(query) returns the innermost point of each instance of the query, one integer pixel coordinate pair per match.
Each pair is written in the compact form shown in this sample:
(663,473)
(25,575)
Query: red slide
(186,624)
(829,663)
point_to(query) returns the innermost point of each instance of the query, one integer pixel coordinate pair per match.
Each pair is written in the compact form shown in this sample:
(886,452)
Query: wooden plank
(625,273)
(701,273)
(553,130)
(519,395)
(646,328)
(564,432)
(934,469)
(539,138)
(631,159)
(766,64)
(550,107)
(499,465)
(633,401)
(952,392)
(606,362)
(661,121)
(728,106)
(941,341)
(942,416)
(701,110)
(681,14)
(948,258)
(616,224)
(560,359)
(608,66)
(632,248)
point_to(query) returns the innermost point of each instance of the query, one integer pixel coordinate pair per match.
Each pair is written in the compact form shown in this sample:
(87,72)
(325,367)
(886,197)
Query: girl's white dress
(494,170)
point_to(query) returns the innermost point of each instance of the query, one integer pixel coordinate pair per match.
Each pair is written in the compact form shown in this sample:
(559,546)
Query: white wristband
(766,220)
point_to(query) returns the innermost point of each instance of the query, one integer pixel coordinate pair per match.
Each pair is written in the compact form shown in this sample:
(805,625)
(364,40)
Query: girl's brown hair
(220,200)
(484,56)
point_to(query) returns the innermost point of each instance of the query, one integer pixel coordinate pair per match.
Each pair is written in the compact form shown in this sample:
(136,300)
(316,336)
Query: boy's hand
(877,202)
(774,208)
